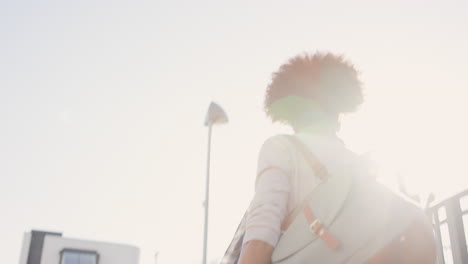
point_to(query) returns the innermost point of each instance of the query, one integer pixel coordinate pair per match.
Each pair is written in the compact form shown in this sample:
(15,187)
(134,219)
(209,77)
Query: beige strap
(315,225)
(317,228)
(319,169)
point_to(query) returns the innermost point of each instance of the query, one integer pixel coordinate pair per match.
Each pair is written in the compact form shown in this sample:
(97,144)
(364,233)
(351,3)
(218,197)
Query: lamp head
(215,115)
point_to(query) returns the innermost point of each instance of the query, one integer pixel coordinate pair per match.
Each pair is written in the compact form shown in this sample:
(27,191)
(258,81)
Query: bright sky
(102,106)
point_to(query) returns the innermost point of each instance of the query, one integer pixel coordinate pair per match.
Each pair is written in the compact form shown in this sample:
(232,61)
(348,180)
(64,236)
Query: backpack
(349,219)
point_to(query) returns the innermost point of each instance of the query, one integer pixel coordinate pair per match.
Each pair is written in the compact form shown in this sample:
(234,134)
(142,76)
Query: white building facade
(41,247)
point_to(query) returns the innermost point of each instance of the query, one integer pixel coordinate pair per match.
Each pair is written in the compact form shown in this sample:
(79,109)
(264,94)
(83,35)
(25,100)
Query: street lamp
(215,115)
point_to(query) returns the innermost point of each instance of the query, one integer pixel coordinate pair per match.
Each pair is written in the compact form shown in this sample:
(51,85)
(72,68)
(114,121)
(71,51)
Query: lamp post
(215,115)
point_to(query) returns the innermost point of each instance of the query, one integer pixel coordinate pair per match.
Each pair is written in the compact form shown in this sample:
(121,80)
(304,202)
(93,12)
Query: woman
(308,93)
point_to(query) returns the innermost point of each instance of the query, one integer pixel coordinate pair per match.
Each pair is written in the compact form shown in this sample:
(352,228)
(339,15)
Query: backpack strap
(320,171)
(316,227)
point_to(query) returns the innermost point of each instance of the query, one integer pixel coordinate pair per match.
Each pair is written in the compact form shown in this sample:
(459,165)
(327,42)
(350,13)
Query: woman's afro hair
(323,79)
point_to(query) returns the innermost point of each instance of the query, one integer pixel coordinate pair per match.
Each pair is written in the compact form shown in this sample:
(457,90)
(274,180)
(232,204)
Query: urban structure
(450,219)
(41,247)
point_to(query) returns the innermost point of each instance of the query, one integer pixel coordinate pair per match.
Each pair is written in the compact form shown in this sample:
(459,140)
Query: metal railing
(450,220)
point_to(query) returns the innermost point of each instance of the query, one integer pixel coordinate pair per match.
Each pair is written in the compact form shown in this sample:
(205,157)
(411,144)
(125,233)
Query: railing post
(456,231)
(440,252)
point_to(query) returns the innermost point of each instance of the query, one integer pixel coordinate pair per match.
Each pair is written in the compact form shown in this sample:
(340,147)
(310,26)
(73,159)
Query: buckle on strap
(316,227)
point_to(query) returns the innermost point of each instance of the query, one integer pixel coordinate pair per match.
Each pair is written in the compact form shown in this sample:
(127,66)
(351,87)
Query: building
(41,247)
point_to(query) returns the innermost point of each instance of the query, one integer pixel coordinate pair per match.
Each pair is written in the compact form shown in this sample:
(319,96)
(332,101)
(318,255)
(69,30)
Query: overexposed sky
(102,106)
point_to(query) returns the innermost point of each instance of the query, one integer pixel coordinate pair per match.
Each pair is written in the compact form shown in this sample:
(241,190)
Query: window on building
(74,256)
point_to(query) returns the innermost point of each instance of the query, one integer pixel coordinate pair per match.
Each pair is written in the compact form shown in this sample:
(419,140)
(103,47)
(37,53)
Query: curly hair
(306,83)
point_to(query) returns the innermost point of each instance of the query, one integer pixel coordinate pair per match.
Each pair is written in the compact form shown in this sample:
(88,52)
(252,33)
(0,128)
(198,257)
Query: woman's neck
(318,129)
(318,123)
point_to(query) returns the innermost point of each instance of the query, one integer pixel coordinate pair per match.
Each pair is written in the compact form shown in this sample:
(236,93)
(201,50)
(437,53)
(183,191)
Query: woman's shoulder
(279,144)
(278,139)
(275,151)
